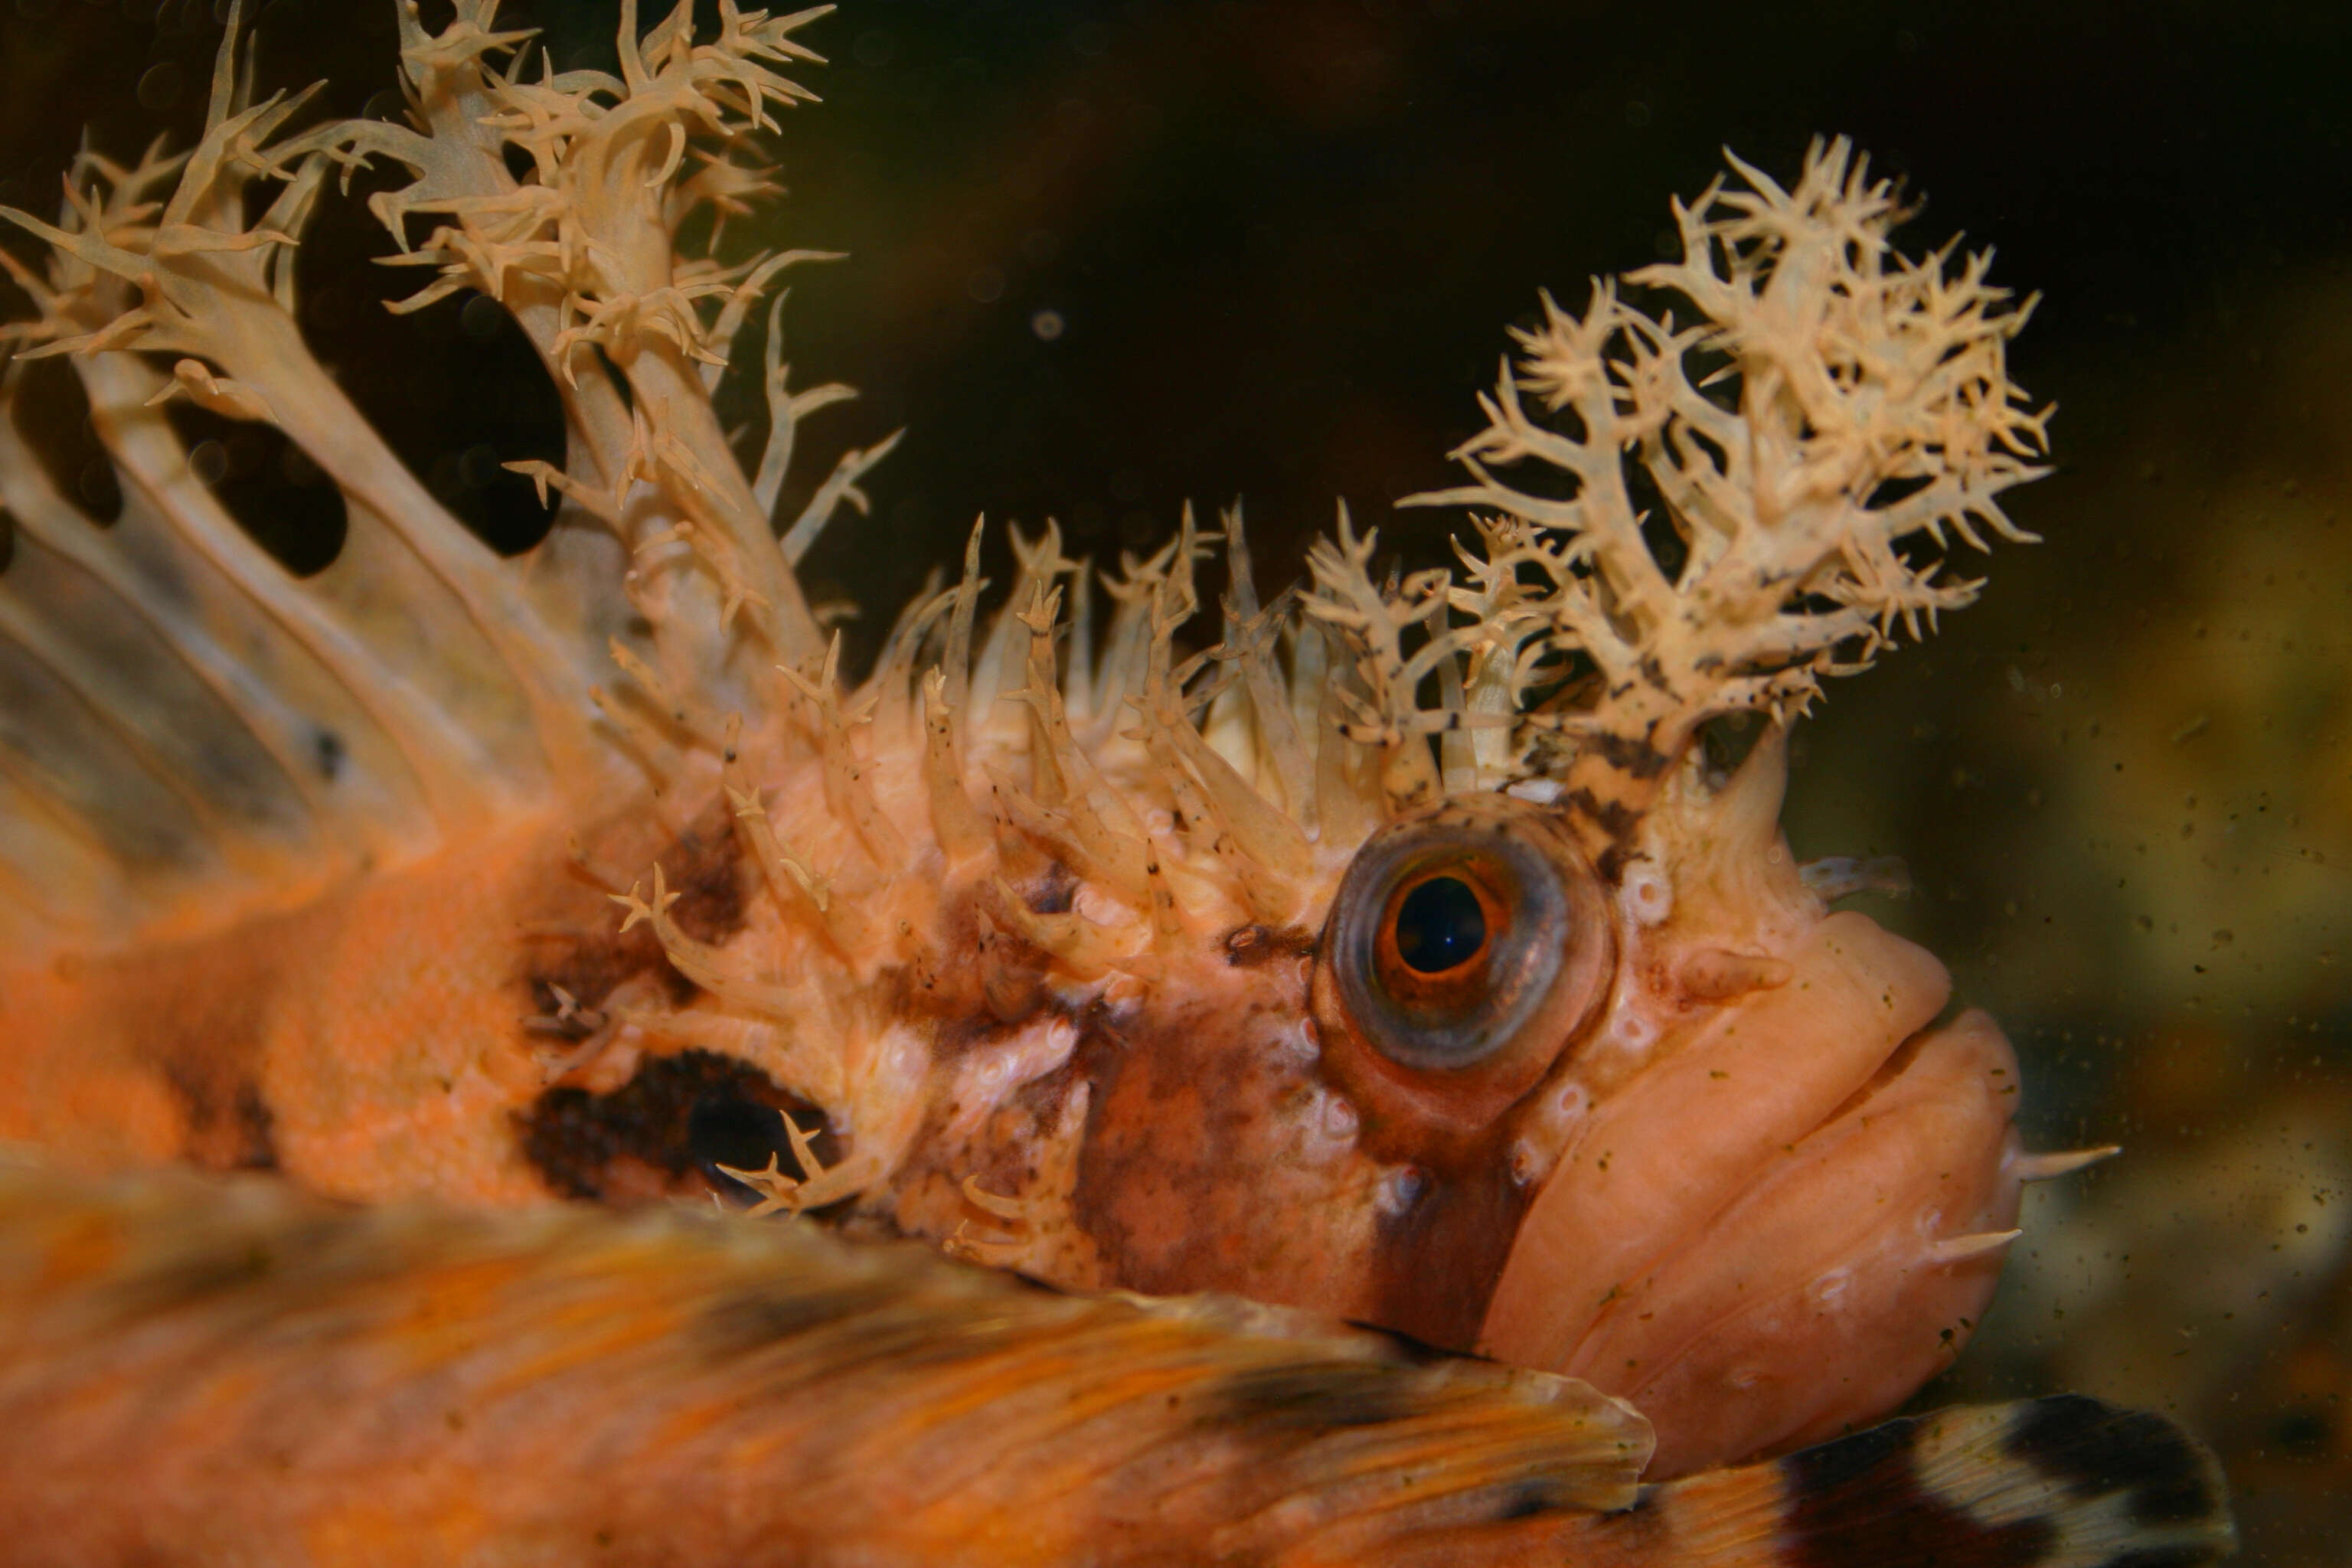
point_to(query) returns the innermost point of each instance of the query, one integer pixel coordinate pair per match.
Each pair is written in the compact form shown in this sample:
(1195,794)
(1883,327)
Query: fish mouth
(1789,1221)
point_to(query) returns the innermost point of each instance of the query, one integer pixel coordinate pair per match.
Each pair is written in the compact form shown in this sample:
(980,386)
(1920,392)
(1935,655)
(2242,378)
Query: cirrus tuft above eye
(1464,949)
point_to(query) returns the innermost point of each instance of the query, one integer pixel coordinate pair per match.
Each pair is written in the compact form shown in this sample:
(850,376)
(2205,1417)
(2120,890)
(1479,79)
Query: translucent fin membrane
(207,722)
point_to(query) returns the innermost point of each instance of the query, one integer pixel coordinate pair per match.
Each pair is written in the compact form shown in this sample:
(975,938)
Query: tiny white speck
(1525,1162)
(1339,1119)
(1399,1190)
(208,461)
(1632,1032)
(1648,895)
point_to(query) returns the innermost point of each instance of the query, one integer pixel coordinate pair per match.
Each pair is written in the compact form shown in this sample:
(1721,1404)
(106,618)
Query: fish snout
(1786,1222)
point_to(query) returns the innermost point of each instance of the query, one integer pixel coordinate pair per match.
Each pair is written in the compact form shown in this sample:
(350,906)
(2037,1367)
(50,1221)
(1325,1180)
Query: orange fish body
(1130,952)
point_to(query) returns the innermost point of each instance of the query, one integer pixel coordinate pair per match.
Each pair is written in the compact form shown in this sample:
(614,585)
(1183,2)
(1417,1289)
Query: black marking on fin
(2132,1491)
(1314,1397)
(1859,1500)
(2095,1450)
(751,1319)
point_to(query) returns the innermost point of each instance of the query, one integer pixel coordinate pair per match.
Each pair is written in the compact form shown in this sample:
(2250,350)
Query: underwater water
(1107,259)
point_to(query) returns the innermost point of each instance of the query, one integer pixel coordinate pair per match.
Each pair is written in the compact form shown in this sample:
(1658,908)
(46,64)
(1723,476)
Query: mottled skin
(1192,1128)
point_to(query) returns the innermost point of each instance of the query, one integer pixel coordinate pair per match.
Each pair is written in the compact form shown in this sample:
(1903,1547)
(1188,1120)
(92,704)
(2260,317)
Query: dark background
(1283,238)
(1281,241)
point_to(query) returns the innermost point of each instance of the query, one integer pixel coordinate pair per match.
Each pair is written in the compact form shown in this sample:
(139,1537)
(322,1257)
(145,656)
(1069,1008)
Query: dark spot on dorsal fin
(1313,1396)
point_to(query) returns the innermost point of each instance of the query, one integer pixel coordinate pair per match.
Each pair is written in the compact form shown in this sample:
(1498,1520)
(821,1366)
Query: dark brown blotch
(230,1126)
(1435,1264)
(1315,1397)
(758,1316)
(229,1264)
(600,1147)
(1253,946)
(705,869)
(1634,755)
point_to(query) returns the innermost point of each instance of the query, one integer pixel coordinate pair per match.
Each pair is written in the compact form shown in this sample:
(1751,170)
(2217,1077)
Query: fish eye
(1469,942)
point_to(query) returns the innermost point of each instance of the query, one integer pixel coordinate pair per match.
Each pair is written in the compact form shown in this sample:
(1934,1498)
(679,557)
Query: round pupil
(1439,925)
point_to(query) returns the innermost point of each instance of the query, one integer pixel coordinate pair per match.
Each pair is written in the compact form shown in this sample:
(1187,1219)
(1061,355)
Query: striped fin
(2063,1482)
(279,1380)
(190,733)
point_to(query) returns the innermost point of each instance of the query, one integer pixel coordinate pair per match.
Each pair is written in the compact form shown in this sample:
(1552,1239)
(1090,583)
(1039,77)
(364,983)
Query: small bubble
(98,487)
(1046,324)
(481,319)
(384,104)
(208,460)
(985,285)
(479,466)
(1637,113)
(160,87)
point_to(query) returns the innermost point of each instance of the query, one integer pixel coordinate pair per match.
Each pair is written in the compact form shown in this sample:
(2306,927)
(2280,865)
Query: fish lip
(1836,1258)
(1678,1142)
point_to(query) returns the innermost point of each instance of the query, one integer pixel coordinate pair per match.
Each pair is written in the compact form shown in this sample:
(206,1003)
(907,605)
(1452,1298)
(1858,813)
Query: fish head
(1398,950)
(1661,1119)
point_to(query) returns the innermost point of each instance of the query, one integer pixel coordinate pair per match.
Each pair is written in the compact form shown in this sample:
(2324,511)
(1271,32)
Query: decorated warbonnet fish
(1390,950)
